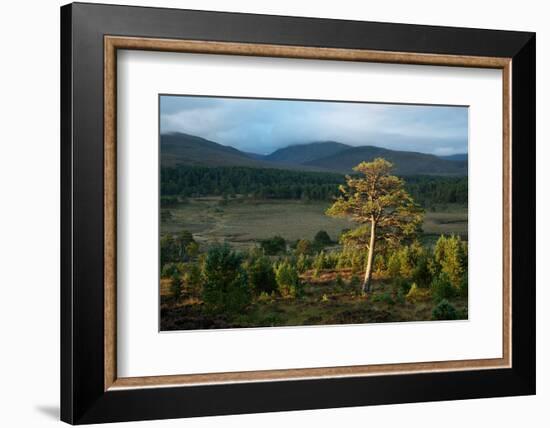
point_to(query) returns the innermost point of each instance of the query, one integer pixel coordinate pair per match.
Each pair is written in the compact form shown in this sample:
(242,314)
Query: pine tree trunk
(370,258)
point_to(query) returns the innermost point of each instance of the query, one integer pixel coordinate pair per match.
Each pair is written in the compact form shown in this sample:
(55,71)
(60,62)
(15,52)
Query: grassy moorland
(243,222)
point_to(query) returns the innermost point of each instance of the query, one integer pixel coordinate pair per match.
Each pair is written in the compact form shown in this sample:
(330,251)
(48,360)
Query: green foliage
(431,190)
(265,297)
(354,282)
(225,285)
(409,262)
(384,297)
(288,281)
(303,247)
(192,277)
(442,287)
(173,248)
(322,239)
(379,263)
(192,249)
(261,275)
(463,291)
(405,262)
(394,264)
(303,263)
(417,294)
(450,255)
(168,270)
(358,261)
(273,246)
(421,273)
(412,295)
(400,296)
(320,262)
(339,281)
(401,284)
(176,285)
(444,311)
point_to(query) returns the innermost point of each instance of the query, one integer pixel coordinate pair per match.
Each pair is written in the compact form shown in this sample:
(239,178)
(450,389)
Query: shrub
(417,294)
(176,285)
(303,263)
(357,262)
(273,246)
(355,282)
(322,239)
(192,277)
(320,262)
(261,275)
(463,291)
(450,254)
(400,296)
(173,247)
(225,285)
(344,260)
(401,284)
(379,263)
(384,297)
(339,281)
(421,274)
(288,281)
(168,269)
(405,262)
(303,247)
(331,261)
(265,298)
(444,311)
(412,295)
(394,265)
(442,287)
(192,249)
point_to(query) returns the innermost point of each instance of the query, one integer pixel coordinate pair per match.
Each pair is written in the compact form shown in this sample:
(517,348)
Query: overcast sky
(263,126)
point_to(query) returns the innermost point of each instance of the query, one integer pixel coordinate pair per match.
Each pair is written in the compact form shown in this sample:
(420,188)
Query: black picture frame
(83,398)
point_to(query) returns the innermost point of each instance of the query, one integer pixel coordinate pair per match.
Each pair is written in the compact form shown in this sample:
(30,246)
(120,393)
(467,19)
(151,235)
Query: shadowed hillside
(406,163)
(302,153)
(178,148)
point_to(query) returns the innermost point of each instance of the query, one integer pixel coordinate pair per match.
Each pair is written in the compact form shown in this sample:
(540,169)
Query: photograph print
(282,212)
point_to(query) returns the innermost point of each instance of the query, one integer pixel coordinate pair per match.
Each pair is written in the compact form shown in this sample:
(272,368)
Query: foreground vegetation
(311,285)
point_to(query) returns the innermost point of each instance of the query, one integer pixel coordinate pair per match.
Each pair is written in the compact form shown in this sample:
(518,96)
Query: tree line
(265,183)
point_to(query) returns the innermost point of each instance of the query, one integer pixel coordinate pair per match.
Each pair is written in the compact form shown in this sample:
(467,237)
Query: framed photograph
(266,213)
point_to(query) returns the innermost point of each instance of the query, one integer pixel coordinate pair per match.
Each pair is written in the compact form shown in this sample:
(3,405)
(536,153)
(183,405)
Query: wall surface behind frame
(29,219)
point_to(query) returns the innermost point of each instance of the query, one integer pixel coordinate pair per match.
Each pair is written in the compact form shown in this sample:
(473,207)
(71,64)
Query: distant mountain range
(329,156)
(457,157)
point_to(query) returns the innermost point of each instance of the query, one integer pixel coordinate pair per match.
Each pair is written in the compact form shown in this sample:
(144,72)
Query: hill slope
(179,148)
(302,153)
(406,163)
(457,157)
